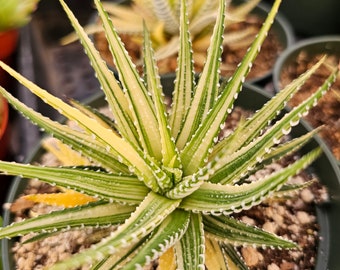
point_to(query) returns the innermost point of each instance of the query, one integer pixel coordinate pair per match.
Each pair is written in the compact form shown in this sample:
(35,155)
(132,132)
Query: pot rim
(295,49)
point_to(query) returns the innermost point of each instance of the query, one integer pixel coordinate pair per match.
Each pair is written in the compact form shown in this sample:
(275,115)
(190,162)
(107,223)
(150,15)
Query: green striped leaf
(169,154)
(232,167)
(217,198)
(196,151)
(229,230)
(184,83)
(112,187)
(111,87)
(207,88)
(81,142)
(254,125)
(190,249)
(140,103)
(163,237)
(90,215)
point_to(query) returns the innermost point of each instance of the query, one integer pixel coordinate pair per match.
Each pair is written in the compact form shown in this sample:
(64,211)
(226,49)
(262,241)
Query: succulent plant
(162,175)
(15,13)
(162,19)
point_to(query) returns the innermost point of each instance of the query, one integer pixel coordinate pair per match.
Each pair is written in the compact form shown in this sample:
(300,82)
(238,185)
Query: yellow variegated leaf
(66,199)
(167,260)
(214,259)
(64,153)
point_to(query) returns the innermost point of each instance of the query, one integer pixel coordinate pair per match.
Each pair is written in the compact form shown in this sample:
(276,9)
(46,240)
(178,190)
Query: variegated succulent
(162,18)
(162,175)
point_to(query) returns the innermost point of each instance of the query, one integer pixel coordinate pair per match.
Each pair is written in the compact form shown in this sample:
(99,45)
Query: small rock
(273,266)
(251,256)
(307,195)
(303,217)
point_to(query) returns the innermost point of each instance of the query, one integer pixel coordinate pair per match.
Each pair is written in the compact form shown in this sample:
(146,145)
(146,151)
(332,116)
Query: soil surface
(292,217)
(327,112)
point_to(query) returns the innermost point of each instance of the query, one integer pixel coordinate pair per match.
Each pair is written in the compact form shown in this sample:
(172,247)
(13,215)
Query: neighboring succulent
(165,178)
(162,19)
(15,13)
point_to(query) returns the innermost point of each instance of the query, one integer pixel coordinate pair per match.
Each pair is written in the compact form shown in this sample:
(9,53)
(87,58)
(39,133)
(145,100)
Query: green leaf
(119,258)
(169,154)
(91,215)
(233,258)
(217,198)
(236,165)
(112,187)
(111,87)
(254,125)
(291,189)
(190,249)
(162,238)
(283,150)
(184,84)
(140,103)
(229,230)
(207,88)
(79,141)
(196,151)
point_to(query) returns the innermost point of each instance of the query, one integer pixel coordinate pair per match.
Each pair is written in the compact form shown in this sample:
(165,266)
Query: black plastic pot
(310,47)
(325,167)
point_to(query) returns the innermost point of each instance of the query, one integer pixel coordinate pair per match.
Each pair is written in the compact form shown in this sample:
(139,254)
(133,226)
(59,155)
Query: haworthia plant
(161,174)
(162,18)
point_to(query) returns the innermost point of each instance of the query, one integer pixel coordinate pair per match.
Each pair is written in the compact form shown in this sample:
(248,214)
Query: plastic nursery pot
(312,46)
(325,167)
(293,62)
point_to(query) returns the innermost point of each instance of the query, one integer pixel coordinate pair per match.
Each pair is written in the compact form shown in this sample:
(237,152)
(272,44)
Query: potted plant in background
(243,20)
(166,177)
(297,59)
(13,15)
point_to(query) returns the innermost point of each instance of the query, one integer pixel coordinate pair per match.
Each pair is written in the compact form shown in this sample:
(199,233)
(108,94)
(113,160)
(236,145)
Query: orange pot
(8,43)
(4,138)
